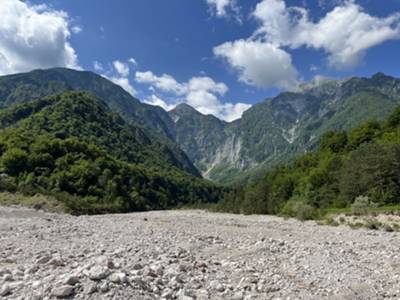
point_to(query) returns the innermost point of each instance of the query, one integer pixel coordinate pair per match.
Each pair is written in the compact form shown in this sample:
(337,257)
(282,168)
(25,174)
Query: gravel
(191,255)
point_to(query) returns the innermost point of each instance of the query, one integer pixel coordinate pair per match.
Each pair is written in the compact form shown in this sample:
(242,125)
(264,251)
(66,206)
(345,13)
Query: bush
(360,206)
(373,224)
(299,210)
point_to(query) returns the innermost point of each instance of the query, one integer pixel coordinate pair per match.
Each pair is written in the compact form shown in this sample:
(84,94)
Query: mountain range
(269,133)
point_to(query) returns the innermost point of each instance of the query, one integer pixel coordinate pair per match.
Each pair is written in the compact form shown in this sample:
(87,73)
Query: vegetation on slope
(346,165)
(73,147)
(25,87)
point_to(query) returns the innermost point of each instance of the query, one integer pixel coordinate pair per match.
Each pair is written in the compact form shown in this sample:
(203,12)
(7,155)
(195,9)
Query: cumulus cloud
(124,83)
(258,63)
(345,33)
(121,68)
(156,101)
(202,93)
(32,37)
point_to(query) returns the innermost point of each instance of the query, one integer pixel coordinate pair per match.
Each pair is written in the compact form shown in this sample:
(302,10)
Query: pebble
(192,255)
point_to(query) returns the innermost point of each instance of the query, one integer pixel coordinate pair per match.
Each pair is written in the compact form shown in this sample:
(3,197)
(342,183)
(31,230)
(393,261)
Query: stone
(104,287)
(90,288)
(44,259)
(98,273)
(62,291)
(8,277)
(57,262)
(118,278)
(5,290)
(71,280)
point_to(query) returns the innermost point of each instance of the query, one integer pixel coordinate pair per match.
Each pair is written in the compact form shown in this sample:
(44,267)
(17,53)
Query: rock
(137,267)
(36,284)
(104,288)
(62,291)
(5,290)
(98,273)
(71,280)
(4,272)
(90,288)
(44,259)
(167,294)
(118,278)
(8,277)
(57,262)
(215,285)
(238,296)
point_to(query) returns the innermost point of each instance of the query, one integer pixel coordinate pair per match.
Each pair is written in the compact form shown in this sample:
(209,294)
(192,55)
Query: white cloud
(156,101)
(97,66)
(220,8)
(32,37)
(165,82)
(345,33)
(76,29)
(202,93)
(132,61)
(118,72)
(121,68)
(124,83)
(258,63)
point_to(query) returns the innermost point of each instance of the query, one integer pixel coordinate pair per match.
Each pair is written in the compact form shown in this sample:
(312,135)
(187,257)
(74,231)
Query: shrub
(388,228)
(360,206)
(373,224)
(299,210)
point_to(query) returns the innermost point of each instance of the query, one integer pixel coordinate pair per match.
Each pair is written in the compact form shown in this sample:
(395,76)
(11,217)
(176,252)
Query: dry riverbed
(191,255)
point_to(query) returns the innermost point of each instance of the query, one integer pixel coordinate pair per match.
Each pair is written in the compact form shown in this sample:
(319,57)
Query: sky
(219,56)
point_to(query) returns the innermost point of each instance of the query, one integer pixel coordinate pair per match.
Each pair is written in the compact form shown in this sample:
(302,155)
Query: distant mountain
(25,87)
(40,83)
(72,145)
(269,133)
(277,129)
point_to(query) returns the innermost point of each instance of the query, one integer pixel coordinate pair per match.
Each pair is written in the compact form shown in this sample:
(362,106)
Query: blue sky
(214,53)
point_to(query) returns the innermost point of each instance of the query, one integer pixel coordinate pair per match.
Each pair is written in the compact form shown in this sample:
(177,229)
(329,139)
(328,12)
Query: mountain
(25,87)
(199,135)
(74,146)
(269,133)
(357,171)
(275,130)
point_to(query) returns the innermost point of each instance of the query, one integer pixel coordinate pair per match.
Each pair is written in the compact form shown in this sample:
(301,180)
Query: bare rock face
(191,255)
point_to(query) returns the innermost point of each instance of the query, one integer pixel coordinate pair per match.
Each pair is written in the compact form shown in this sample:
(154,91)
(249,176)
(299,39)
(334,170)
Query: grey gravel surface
(191,255)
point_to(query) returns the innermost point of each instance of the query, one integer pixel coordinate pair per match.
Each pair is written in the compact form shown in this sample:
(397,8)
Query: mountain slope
(25,87)
(73,145)
(359,169)
(275,130)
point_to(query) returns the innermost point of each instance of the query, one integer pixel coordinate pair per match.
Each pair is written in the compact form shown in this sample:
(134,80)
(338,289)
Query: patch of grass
(388,228)
(373,224)
(396,227)
(331,222)
(47,203)
(356,225)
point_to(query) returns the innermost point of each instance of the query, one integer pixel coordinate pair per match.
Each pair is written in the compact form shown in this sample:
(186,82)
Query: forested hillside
(73,146)
(364,162)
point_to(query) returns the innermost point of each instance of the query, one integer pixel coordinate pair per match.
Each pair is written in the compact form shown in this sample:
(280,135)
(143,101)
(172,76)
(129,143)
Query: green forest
(364,162)
(72,147)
